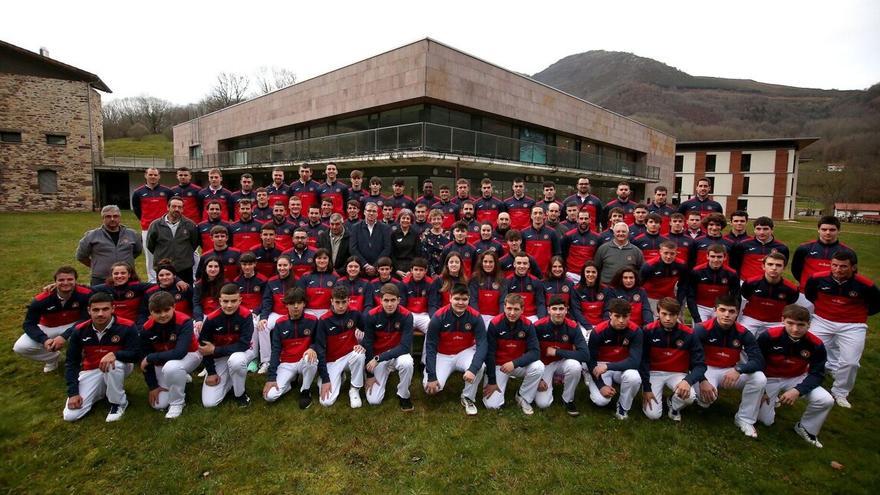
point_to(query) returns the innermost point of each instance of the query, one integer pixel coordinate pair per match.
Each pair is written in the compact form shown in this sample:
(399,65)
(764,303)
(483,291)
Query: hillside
(155,145)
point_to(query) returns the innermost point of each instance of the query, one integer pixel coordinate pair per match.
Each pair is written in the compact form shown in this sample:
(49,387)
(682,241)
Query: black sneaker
(571,409)
(243,400)
(405,404)
(305,399)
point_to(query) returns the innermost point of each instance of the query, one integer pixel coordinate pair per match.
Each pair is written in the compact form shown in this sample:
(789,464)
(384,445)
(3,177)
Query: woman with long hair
(318,283)
(360,297)
(453,273)
(166,280)
(557,283)
(625,285)
(486,286)
(206,290)
(588,297)
(127,291)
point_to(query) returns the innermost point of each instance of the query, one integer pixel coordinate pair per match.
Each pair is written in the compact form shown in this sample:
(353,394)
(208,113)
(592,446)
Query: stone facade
(35,107)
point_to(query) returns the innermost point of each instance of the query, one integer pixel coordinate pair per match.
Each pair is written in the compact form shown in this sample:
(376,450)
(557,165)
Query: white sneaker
(747,429)
(50,366)
(174,412)
(189,378)
(840,400)
(354,397)
(264,368)
(525,406)
(116,412)
(203,373)
(809,437)
(469,407)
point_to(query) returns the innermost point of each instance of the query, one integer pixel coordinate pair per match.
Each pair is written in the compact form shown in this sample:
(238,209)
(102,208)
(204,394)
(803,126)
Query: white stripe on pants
(629,381)
(94,385)
(447,363)
(571,371)
(29,348)
(757,327)
(287,372)
(844,343)
(531,376)
(232,371)
(752,385)
(404,367)
(172,377)
(148,258)
(669,379)
(819,403)
(354,361)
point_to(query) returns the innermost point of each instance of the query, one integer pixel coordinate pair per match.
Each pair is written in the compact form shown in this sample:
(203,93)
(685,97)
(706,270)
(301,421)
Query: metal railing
(421,136)
(134,162)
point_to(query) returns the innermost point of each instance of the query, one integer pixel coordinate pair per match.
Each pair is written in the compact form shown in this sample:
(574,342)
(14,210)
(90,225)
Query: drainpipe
(91,148)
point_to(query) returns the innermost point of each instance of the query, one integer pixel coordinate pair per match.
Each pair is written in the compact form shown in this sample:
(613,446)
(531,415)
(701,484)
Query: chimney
(44,51)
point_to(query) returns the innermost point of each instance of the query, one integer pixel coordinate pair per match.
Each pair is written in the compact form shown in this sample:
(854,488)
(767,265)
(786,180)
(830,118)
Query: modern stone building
(50,132)
(429,110)
(757,175)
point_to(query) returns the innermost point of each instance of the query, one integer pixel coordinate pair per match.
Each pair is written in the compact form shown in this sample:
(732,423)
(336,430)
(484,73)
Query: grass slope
(280,449)
(155,145)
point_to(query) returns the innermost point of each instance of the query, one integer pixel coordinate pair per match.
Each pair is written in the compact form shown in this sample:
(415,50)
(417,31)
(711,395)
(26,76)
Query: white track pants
(531,376)
(172,377)
(233,372)
(571,371)
(148,259)
(845,343)
(629,381)
(354,361)
(819,403)
(287,372)
(668,379)
(29,348)
(757,327)
(94,385)
(420,322)
(261,342)
(752,385)
(404,367)
(447,363)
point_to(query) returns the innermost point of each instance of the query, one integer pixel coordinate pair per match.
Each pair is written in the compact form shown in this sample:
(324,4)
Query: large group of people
(323,279)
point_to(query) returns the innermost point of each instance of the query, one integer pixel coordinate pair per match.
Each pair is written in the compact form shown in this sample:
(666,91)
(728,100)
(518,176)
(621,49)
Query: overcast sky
(174,50)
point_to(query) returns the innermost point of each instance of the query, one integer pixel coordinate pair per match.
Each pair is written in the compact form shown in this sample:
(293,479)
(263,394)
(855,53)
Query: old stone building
(51,132)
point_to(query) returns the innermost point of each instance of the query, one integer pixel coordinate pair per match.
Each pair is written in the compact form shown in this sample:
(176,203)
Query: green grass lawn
(155,145)
(280,449)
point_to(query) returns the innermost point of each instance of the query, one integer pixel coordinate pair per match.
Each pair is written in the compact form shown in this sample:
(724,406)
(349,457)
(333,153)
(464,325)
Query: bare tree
(153,113)
(231,88)
(271,79)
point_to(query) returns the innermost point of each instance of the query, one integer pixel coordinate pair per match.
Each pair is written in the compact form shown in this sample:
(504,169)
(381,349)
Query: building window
(679,163)
(742,204)
(195,152)
(676,189)
(710,163)
(10,137)
(56,139)
(48,181)
(745,162)
(745,189)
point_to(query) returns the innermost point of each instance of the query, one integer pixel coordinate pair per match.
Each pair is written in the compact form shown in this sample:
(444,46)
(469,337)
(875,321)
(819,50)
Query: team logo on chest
(805,354)
(853,293)
(307,332)
(529,288)
(724,281)
(735,343)
(600,297)
(177,297)
(172,337)
(565,337)
(565,289)
(625,342)
(637,298)
(349,324)
(129,294)
(679,343)
(781,296)
(397,325)
(521,334)
(115,339)
(468,326)
(75,304)
(495,286)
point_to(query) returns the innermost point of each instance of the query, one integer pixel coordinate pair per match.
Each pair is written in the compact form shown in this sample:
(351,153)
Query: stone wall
(36,107)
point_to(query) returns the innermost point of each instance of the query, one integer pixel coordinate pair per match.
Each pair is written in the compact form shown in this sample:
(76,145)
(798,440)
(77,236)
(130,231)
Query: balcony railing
(422,136)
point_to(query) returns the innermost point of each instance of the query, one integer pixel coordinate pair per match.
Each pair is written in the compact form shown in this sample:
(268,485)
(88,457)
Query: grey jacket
(610,258)
(179,248)
(97,250)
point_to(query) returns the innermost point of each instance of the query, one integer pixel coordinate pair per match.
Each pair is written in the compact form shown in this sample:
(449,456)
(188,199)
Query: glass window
(742,204)
(459,119)
(411,114)
(710,163)
(56,139)
(532,147)
(352,124)
(10,137)
(745,189)
(679,163)
(48,181)
(497,127)
(195,152)
(745,162)
(676,189)
(439,115)
(389,117)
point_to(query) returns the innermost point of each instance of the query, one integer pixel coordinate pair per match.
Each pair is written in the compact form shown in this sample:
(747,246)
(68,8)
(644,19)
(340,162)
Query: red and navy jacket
(237,198)
(723,347)
(85,350)
(542,244)
(545,205)
(318,287)
(290,340)
(467,252)
(335,337)
(376,286)
(336,192)
(507,342)
(224,196)
(127,299)
(449,334)
(245,236)
(283,233)
(428,201)
(358,195)
(262,214)
(506,263)
(229,334)
(684,243)
(150,204)
(203,303)
(531,288)
(267,259)
(638,299)
(814,257)
(566,337)
(278,193)
(387,336)
(520,210)
(359,298)
(307,192)
(369,198)
(487,209)
(765,301)
(450,212)
(313,231)
(251,290)
(664,211)
(301,262)
(473,231)
(590,203)
(621,350)
(417,293)
(273,296)
(47,309)
(482,246)
(847,301)
(605,236)
(485,295)
(160,343)
(704,206)
(736,239)
(562,287)
(590,302)
(677,350)
(192,204)
(649,244)
(438,298)
(748,256)
(628,206)
(204,229)
(182,299)
(228,258)
(706,284)
(700,248)
(664,280)
(400,202)
(578,247)
(637,229)
(785,357)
